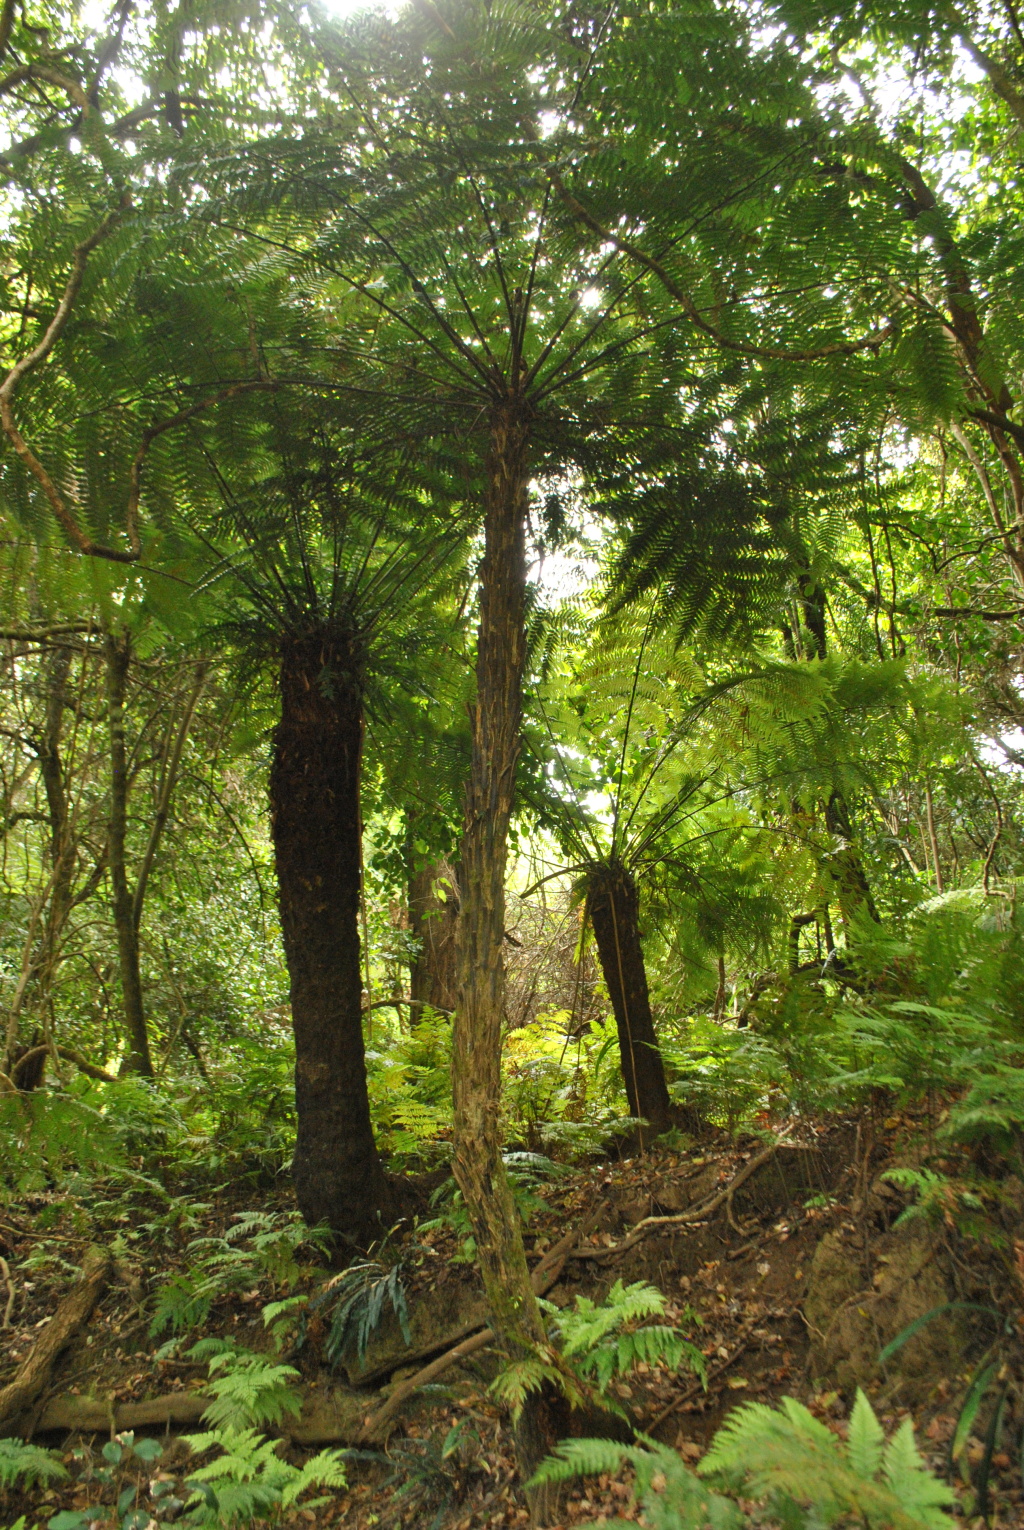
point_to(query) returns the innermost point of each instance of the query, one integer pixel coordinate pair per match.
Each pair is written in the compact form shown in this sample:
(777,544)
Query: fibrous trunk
(316,826)
(615,915)
(476,1058)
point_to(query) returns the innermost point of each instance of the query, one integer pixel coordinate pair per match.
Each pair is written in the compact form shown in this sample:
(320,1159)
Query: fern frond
(29,1465)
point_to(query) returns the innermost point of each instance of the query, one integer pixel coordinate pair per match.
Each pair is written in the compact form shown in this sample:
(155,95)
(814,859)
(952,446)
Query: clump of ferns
(354,1304)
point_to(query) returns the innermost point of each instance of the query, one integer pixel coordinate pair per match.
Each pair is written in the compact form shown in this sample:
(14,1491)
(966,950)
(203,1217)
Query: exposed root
(696,1213)
(543,1277)
(34,1372)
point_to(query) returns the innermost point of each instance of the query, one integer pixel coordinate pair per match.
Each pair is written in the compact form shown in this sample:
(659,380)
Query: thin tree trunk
(933,838)
(118,652)
(615,915)
(41,959)
(314,798)
(433,917)
(172,764)
(476,1054)
(719,1009)
(853,890)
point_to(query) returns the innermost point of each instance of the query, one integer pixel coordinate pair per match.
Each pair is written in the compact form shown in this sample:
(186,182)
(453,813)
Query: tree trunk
(43,957)
(433,917)
(614,913)
(476,1053)
(853,890)
(314,799)
(118,652)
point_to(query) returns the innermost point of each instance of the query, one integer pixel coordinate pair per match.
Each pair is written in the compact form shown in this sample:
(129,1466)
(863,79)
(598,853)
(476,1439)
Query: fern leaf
(866,1440)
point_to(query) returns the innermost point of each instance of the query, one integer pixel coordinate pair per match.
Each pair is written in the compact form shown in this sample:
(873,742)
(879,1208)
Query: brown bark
(138,1060)
(314,798)
(853,890)
(433,917)
(615,913)
(177,734)
(476,1053)
(34,1372)
(43,957)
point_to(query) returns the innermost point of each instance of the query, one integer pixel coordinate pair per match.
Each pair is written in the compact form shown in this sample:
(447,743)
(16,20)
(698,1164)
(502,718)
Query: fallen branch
(89,1414)
(542,1278)
(70,1055)
(34,1372)
(695,1214)
(327,1418)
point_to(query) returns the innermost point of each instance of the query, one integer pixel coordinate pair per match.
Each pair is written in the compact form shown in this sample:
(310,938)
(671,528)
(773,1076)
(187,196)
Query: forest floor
(758,1284)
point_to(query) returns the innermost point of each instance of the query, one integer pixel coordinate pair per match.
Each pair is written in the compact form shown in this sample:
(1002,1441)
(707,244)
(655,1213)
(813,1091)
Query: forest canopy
(512,535)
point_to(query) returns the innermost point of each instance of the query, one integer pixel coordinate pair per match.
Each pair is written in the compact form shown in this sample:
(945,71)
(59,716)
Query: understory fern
(27,1465)
(787,1456)
(672,1497)
(247,1388)
(248,1480)
(185,1300)
(611,1338)
(595,1342)
(784,1458)
(358,1297)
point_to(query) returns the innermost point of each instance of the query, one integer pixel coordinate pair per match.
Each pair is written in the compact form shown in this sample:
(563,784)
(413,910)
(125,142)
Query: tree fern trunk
(476,1057)
(314,796)
(615,914)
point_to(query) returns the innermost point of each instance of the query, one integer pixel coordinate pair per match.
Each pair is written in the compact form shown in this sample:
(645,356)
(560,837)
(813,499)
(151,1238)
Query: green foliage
(248,1389)
(429,1476)
(26,1464)
(48,1134)
(782,1458)
(526,1172)
(799,1466)
(596,1342)
(672,1496)
(356,1300)
(940,1198)
(185,1300)
(249,1480)
(409,1082)
(119,1454)
(609,1339)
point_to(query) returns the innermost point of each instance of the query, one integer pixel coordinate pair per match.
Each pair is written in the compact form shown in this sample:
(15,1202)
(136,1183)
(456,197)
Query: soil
(792,1286)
